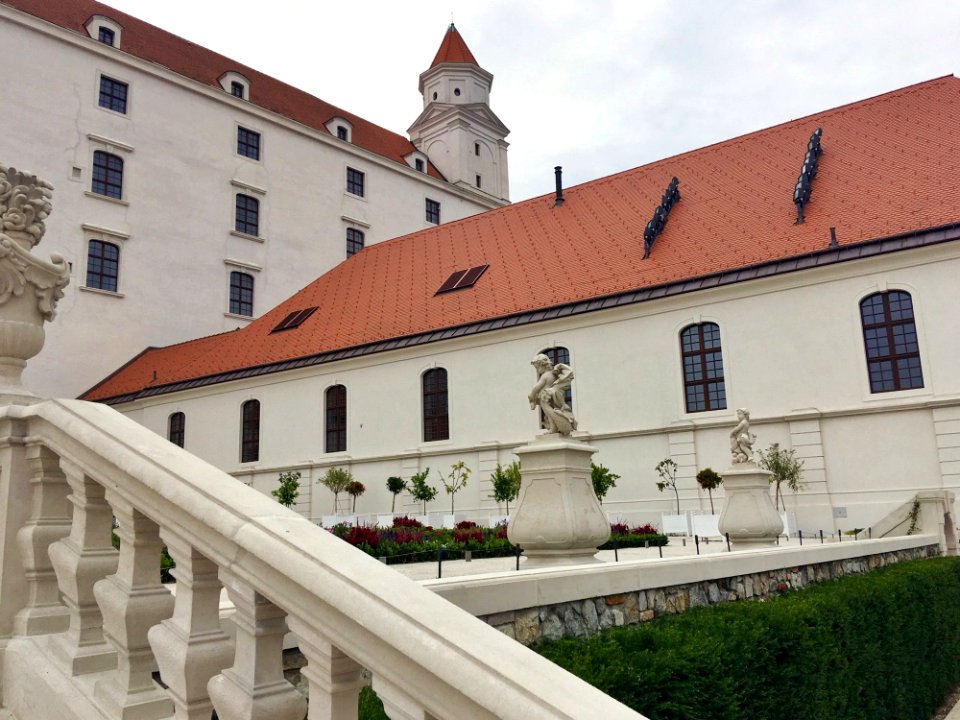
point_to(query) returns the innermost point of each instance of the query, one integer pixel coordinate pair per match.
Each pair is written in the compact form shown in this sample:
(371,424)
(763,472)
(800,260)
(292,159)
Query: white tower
(457,130)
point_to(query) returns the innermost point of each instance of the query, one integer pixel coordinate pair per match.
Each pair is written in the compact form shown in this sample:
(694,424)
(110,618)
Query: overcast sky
(597,87)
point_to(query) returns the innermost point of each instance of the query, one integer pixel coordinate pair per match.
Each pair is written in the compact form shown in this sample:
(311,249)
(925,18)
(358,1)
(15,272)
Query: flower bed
(410,541)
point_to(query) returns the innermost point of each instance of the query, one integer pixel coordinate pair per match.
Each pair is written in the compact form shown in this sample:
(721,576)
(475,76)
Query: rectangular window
(354,242)
(433,211)
(250,431)
(241,294)
(336,412)
(106,36)
(103,265)
(354,182)
(248,215)
(418,165)
(341,132)
(476,149)
(236,89)
(478,181)
(113,94)
(107,175)
(248,143)
(176,428)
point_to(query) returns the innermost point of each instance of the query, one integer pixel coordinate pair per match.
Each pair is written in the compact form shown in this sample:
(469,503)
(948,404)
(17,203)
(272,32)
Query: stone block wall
(581,618)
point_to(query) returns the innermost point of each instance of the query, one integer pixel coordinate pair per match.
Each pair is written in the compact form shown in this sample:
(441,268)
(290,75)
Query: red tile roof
(183,57)
(890,165)
(453,49)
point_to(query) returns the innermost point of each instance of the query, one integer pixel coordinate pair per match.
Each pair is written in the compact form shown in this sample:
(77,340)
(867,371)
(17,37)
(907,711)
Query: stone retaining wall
(588,617)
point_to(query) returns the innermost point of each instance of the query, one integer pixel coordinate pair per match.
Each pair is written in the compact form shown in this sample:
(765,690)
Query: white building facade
(190,200)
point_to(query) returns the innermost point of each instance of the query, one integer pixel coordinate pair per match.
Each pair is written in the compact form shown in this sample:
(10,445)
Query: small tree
(709,481)
(786,470)
(336,480)
(456,480)
(603,480)
(420,490)
(506,483)
(355,488)
(667,470)
(395,485)
(289,488)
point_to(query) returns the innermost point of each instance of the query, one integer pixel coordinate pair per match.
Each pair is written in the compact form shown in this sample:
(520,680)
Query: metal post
(839,535)
(517,550)
(800,536)
(821,537)
(616,554)
(660,548)
(728,541)
(440,562)
(696,540)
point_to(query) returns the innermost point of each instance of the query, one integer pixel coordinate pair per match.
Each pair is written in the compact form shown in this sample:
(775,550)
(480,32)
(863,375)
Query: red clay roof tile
(890,165)
(453,49)
(183,57)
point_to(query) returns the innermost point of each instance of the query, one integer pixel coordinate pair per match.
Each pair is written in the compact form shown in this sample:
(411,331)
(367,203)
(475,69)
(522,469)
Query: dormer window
(417,160)
(340,128)
(341,132)
(236,84)
(103,29)
(418,164)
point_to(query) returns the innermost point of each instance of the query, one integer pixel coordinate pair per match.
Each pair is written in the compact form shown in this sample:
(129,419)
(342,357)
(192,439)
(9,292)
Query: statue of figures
(549,393)
(741,439)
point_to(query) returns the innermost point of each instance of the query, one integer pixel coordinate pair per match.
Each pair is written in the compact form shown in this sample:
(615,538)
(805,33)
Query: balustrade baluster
(190,647)
(397,704)
(254,687)
(79,560)
(334,680)
(49,521)
(132,601)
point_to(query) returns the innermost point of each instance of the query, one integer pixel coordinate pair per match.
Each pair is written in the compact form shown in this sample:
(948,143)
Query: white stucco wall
(182,172)
(793,354)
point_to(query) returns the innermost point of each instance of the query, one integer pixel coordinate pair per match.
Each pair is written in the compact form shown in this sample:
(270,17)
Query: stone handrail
(115,623)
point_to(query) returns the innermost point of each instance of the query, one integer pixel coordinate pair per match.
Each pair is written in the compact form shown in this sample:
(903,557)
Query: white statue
(549,394)
(741,439)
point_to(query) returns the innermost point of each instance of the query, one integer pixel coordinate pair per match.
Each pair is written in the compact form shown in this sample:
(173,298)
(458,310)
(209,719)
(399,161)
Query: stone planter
(558,519)
(748,516)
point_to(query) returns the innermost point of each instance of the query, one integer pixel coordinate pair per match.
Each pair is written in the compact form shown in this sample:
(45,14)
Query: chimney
(558,171)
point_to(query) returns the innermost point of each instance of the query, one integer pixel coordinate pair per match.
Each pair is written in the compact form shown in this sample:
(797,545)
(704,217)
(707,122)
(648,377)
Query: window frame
(249,143)
(111,182)
(177,428)
(700,360)
(106,35)
(238,301)
(356,182)
(353,242)
(250,431)
(435,393)
(242,222)
(335,419)
(432,211)
(238,89)
(100,274)
(115,92)
(889,327)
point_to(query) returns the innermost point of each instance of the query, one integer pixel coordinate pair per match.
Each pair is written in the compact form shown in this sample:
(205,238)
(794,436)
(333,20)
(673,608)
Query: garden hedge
(885,644)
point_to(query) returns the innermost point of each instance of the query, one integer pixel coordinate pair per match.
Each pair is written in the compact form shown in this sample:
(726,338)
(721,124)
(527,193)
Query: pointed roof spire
(453,49)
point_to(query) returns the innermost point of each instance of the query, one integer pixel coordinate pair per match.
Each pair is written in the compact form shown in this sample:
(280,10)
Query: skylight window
(294,319)
(462,279)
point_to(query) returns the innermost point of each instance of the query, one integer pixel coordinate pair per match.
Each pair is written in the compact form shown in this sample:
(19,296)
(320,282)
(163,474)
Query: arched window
(103,265)
(176,428)
(241,294)
(247,217)
(436,420)
(703,367)
(250,431)
(336,412)
(558,354)
(107,174)
(890,340)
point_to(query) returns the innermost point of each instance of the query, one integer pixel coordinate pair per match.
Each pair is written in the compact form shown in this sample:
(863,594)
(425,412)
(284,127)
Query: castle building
(806,272)
(193,193)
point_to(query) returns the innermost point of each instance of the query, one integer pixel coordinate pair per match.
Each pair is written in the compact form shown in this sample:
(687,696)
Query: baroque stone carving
(741,439)
(548,394)
(24,205)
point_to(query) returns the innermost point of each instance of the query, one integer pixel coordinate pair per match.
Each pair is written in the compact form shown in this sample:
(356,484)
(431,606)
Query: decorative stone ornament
(29,287)
(748,516)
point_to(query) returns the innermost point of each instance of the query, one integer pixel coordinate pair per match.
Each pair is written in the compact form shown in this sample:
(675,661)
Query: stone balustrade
(84,627)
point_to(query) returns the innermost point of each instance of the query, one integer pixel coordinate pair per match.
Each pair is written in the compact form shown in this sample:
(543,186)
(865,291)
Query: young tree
(709,481)
(336,480)
(395,485)
(456,480)
(355,488)
(506,483)
(786,470)
(420,490)
(289,488)
(667,470)
(603,480)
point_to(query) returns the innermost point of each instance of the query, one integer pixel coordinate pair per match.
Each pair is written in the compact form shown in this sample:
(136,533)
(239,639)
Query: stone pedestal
(558,519)
(748,515)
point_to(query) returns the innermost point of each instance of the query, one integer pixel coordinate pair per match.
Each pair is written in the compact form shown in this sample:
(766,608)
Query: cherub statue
(549,392)
(741,439)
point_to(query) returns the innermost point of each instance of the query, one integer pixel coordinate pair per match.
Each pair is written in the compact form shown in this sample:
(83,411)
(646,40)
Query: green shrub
(882,644)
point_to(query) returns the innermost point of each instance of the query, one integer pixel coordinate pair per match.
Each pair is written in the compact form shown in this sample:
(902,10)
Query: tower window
(476,149)
(456,91)
(478,181)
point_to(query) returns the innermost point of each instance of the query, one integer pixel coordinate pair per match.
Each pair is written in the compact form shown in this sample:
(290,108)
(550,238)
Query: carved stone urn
(558,519)
(29,286)
(748,515)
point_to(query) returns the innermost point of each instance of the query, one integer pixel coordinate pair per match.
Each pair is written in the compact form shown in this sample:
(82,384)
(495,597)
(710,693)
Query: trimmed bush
(879,645)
